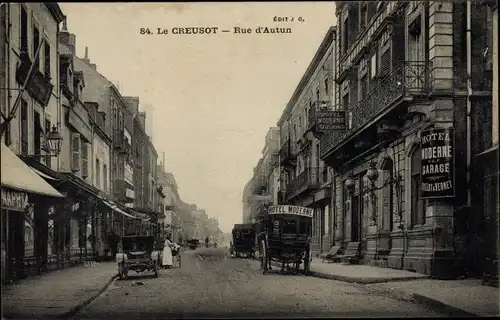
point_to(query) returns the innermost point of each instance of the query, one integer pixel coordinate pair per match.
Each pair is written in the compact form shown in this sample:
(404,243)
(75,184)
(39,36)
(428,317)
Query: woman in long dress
(167,261)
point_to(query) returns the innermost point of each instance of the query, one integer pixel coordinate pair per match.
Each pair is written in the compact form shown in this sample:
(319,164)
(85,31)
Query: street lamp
(372,175)
(54,138)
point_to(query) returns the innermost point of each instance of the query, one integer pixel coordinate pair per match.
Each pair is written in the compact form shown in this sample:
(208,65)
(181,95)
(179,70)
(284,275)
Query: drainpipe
(469,93)
(334,204)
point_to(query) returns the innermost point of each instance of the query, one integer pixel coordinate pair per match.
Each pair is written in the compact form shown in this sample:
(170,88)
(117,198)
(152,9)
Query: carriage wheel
(307,263)
(264,258)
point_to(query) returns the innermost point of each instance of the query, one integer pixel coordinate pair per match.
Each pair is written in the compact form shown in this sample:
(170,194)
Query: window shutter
(385,63)
(75,152)
(85,160)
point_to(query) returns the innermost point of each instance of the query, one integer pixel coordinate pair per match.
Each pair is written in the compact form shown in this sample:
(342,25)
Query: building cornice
(55,11)
(313,65)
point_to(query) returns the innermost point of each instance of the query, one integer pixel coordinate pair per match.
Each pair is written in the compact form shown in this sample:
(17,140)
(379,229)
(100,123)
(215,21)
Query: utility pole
(3,125)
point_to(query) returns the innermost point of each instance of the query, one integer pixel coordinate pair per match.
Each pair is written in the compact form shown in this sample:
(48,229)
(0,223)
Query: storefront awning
(17,175)
(114,207)
(43,175)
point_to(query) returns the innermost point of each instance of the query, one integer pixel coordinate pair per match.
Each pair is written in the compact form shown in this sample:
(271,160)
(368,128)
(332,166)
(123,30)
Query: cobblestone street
(211,284)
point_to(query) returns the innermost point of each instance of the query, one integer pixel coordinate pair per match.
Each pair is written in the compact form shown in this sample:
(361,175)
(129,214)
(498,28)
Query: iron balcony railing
(308,179)
(287,151)
(122,144)
(411,78)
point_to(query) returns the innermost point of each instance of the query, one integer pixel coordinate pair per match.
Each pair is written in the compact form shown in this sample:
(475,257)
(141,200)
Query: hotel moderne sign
(437,163)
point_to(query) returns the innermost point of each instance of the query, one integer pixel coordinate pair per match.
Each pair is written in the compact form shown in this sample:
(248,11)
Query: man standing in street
(206,242)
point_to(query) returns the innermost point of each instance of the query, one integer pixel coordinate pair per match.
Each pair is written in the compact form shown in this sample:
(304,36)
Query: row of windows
(36,39)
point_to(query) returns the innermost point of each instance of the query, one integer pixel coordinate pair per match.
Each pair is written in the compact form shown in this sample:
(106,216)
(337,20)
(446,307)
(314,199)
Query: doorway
(356,225)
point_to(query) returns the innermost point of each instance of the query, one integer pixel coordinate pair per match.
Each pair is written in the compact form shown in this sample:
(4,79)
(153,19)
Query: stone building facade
(305,179)
(403,68)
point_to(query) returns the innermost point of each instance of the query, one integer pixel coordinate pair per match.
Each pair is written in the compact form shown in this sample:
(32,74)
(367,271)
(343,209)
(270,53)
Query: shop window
(417,203)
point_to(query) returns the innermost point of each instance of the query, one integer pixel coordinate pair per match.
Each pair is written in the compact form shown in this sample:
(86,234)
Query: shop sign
(292,210)
(14,200)
(328,120)
(437,163)
(38,86)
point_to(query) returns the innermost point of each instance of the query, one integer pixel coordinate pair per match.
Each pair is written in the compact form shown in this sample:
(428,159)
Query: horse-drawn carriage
(284,235)
(243,240)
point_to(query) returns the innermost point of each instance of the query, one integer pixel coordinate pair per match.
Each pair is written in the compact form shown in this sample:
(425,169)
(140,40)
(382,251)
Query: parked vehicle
(193,244)
(243,240)
(284,235)
(139,254)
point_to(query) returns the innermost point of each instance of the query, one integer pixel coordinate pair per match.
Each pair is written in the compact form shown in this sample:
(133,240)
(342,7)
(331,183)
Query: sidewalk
(362,274)
(58,293)
(455,297)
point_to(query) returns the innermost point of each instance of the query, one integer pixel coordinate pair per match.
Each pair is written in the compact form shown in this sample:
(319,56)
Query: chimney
(66,38)
(142,119)
(86,58)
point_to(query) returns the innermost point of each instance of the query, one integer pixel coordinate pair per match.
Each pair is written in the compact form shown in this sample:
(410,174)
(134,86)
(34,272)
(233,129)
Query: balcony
(122,144)
(124,191)
(259,184)
(38,86)
(406,82)
(273,159)
(322,119)
(306,181)
(287,154)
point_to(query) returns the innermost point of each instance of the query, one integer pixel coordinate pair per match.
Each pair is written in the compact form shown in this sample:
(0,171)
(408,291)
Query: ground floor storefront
(406,206)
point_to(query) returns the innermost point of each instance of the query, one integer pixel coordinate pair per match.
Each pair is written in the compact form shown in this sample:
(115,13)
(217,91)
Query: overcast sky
(210,99)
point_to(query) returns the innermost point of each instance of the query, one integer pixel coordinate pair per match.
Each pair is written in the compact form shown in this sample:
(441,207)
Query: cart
(284,235)
(137,254)
(243,240)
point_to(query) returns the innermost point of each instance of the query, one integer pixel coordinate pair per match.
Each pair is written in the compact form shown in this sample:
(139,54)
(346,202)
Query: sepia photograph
(249,160)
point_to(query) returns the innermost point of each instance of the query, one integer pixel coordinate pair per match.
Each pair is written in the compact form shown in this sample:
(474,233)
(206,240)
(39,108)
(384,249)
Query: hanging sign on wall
(437,163)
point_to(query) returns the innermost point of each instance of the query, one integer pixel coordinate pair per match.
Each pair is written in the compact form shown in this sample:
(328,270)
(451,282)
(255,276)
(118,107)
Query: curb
(329,276)
(82,305)
(442,307)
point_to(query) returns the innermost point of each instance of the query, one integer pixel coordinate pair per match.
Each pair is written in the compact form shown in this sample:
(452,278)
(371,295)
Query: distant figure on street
(113,239)
(206,242)
(167,261)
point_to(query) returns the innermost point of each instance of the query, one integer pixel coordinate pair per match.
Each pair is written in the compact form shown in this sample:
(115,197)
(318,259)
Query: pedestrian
(206,242)
(167,260)
(113,239)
